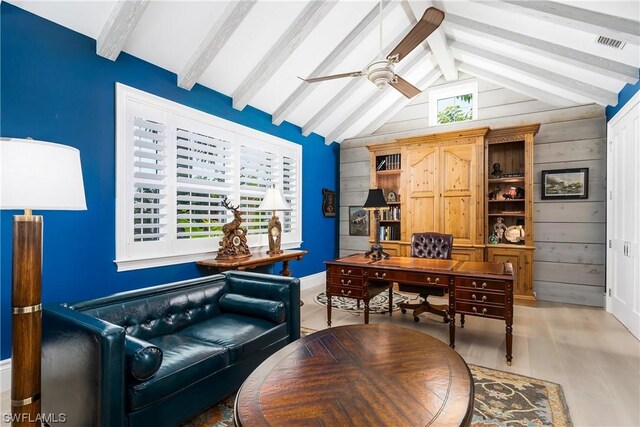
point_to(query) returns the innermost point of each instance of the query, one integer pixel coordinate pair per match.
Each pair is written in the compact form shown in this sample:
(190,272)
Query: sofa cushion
(254,307)
(143,358)
(242,335)
(185,361)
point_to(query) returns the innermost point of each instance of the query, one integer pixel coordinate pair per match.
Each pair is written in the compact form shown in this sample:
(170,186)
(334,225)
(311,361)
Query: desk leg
(366,311)
(509,343)
(328,308)
(390,300)
(452,313)
(285,269)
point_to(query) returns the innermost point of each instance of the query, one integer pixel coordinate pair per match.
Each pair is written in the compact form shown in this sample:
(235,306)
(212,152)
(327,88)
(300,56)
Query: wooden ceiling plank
(213,42)
(587,61)
(598,95)
(346,46)
(116,30)
(364,108)
(515,86)
(319,117)
(313,13)
(596,23)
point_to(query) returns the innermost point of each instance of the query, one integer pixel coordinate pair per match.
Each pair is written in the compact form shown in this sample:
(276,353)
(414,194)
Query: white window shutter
(258,171)
(290,192)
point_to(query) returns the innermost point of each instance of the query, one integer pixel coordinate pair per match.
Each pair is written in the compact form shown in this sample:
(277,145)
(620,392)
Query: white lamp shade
(40,175)
(274,201)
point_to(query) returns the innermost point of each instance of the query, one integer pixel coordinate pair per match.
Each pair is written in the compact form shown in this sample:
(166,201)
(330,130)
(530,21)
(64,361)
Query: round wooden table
(359,375)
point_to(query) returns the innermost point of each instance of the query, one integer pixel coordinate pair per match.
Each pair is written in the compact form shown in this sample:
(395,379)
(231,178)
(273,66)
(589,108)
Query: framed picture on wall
(358,221)
(328,203)
(563,184)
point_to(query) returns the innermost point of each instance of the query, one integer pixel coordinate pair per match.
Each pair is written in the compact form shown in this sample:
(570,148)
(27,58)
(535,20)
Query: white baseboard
(5,375)
(312,280)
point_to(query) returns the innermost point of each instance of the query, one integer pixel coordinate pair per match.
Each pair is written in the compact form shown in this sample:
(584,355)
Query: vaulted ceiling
(254,52)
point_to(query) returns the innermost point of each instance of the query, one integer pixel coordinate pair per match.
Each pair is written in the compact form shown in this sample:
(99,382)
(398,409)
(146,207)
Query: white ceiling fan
(381,71)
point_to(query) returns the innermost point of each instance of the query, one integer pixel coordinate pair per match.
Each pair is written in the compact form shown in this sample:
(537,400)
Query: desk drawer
(344,281)
(345,271)
(480,284)
(479,296)
(340,291)
(479,309)
(422,279)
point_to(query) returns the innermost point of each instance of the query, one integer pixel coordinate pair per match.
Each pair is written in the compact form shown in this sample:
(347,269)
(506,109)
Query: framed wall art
(563,184)
(358,221)
(328,203)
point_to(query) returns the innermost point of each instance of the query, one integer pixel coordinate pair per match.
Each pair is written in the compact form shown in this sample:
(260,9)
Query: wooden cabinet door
(458,194)
(422,188)
(521,259)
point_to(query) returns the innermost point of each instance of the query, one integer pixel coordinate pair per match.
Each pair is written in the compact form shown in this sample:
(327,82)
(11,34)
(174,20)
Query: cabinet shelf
(519,214)
(512,179)
(389,172)
(390,220)
(507,201)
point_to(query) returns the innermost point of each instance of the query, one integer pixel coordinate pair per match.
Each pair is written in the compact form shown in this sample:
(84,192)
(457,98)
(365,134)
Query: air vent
(612,43)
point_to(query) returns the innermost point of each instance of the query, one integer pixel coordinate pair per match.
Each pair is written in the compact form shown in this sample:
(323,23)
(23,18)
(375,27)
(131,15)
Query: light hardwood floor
(585,349)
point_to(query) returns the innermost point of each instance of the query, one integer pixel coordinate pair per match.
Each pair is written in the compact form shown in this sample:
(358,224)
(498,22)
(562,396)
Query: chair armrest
(271,287)
(82,368)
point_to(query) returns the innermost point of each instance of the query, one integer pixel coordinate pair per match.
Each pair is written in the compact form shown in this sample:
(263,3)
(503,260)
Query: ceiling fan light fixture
(380,73)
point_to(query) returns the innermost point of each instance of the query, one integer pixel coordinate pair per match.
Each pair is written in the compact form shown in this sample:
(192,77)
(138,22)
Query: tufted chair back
(431,245)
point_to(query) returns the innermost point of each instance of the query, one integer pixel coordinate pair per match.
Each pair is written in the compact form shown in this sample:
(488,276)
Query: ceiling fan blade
(335,76)
(404,87)
(430,21)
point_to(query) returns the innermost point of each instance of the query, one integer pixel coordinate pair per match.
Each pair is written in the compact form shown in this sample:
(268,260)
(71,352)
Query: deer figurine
(234,243)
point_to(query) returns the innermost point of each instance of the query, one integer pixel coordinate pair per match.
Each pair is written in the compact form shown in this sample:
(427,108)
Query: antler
(229,206)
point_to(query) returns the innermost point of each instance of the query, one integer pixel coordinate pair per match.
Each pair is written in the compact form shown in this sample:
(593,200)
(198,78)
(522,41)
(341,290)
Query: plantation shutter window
(174,168)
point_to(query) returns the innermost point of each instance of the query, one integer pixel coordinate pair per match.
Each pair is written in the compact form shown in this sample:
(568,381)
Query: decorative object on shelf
(43,176)
(514,234)
(497,172)
(358,221)
(493,195)
(234,243)
(513,175)
(507,196)
(376,202)
(493,239)
(499,228)
(328,203)
(563,184)
(274,201)
(519,193)
(392,197)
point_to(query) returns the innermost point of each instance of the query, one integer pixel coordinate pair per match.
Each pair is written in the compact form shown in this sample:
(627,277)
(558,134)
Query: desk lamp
(376,202)
(274,201)
(43,176)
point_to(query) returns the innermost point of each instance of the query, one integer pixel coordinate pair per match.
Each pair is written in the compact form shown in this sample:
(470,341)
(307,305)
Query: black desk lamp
(376,201)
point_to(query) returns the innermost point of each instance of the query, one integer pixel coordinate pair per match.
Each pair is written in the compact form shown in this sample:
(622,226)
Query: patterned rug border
(377,305)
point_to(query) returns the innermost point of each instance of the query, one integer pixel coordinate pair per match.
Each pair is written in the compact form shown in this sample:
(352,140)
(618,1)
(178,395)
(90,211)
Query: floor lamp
(274,201)
(43,176)
(375,201)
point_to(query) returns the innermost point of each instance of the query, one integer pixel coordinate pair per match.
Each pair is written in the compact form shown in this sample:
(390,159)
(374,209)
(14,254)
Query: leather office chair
(428,245)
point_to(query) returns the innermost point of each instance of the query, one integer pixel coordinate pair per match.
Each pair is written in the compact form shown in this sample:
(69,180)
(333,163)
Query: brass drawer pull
(347,273)
(435,282)
(348,282)
(348,293)
(381,277)
(473,297)
(475,310)
(475,285)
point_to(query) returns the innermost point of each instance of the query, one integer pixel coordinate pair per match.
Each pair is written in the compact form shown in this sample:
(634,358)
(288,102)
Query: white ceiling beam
(344,49)
(364,108)
(318,118)
(303,24)
(515,86)
(596,94)
(587,61)
(399,104)
(119,26)
(596,23)
(213,42)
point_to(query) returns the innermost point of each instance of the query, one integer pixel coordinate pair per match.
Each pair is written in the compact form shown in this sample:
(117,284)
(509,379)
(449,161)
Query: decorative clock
(234,243)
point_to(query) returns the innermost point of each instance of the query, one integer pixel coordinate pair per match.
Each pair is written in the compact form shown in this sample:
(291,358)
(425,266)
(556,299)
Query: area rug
(502,399)
(377,305)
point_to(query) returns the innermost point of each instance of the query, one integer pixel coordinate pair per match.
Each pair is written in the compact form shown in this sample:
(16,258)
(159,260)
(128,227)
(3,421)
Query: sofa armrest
(82,368)
(271,287)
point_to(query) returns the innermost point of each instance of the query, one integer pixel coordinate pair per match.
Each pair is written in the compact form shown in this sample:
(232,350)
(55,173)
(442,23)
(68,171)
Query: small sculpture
(234,243)
(499,228)
(493,195)
(519,193)
(507,196)
(496,170)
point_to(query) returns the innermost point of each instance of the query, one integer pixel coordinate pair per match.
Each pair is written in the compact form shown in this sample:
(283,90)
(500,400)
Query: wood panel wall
(569,260)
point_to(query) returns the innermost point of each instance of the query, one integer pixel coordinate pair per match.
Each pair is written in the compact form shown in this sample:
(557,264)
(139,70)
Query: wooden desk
(359,375)
(482,289)
(255,260)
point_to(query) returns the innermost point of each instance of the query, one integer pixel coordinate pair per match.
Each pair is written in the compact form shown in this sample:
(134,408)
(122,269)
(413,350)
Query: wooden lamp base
(275,235)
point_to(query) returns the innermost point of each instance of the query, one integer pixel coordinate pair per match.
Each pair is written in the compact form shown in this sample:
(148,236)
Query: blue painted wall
(624,96)
(55,88)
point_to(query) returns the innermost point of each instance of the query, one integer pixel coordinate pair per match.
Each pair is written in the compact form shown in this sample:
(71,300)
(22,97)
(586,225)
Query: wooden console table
(255,260)
(482,289)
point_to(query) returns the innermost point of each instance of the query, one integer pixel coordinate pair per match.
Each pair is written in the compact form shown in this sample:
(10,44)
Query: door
(623,214)
(422,185)
(458,212)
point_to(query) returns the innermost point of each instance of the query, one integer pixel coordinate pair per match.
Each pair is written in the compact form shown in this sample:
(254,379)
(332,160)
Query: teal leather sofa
(159,355)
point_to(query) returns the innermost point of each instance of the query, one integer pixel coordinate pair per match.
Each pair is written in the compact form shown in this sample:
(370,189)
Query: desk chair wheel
(403,310)
(416,319)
